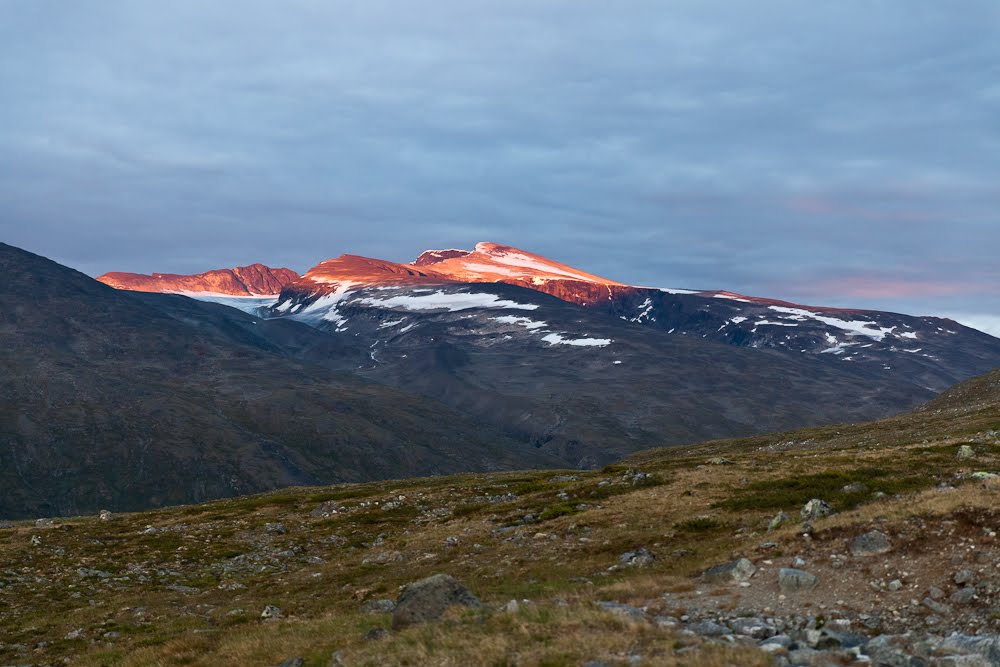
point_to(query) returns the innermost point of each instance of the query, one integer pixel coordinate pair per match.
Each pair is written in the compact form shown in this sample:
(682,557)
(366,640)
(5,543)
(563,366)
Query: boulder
(791,580)
(816,509)
(427,599)
(869,544)
(736,571)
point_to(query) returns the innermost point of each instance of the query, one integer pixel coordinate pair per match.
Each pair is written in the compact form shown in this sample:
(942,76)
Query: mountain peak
(252,280)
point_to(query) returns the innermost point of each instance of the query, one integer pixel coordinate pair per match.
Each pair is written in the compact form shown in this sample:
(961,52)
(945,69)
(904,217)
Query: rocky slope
(253,280)
(126,400)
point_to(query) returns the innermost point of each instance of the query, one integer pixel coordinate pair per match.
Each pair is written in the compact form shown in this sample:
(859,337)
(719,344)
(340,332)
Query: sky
(843,153)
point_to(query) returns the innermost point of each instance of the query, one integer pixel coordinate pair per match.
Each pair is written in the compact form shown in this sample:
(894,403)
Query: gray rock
(375,634)
(292,662)
(619,609)
(935,606)
(869,544)
(779,519)
(4,525)
(855,487)
(965,452)
(887,651)
(816,509)
(427,599)
(105,515)
(44,523)
(271,612)
(378,607)
(87,573)
(757,628)
(735,571)
(782,641)
(276,528)
(935,593)
(963,595)
(708,629)
(963,577)
(895,585)
(791,580)
(639,558)
(987,646)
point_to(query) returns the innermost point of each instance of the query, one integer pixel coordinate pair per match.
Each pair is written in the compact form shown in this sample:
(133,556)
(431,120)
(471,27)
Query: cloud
(764,148)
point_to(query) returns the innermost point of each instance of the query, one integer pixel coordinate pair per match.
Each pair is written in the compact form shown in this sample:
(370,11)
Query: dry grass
(693,514)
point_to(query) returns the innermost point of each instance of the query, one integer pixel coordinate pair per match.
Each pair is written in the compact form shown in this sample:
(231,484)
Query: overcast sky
(842,153)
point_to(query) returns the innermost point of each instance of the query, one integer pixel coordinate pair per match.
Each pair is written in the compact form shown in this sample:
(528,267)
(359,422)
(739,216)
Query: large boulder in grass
(427,599)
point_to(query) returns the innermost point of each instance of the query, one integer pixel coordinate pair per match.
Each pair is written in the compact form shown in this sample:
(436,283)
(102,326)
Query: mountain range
(363,369)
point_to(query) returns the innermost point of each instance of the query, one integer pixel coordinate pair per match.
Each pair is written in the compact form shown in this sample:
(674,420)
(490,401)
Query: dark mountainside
(107,401)
(123,400)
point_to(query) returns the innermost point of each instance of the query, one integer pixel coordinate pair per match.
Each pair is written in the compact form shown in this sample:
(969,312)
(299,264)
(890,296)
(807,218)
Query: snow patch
(852,327)
(446,301)
(557,339)
(525,322)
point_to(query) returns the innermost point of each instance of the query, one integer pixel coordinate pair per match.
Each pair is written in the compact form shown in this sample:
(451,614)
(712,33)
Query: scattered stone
(511,607)
(292,662)
(982,474)
(375,634)
(624,610)
(757,628)
(791,580)
(4,525)
(565,478)
(708,629)
(276,528)
(963,577)
(378,607)
(779,519)
(869,544)
(86,573)
(427,599)
(105,515)
(986,646)
(720,461)
(732,572)
(965,452)
(963,595)
(854,487)
(816,509)
(935,606)
(36,541)
(75,634)
(935,593)
(895,585)
(639,558)
(271,612)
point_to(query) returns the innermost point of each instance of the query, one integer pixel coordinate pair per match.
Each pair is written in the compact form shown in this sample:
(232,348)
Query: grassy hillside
(186,586)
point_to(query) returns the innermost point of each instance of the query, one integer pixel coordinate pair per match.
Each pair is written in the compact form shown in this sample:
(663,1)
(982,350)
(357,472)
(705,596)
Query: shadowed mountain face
(364,369)
(124,400)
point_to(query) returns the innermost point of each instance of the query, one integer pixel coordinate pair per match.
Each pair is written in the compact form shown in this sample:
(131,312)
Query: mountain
(936,352)
(587,369)
(253,280)
(128,400)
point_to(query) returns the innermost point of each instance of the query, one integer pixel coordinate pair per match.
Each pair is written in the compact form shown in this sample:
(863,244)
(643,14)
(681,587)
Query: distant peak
(252,280)
(435,256)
